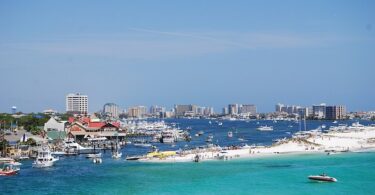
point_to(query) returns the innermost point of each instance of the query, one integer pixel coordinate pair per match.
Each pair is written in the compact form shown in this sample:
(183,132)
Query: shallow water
(271,175)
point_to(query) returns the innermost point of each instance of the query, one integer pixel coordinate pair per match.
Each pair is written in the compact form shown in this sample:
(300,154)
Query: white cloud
(148,44)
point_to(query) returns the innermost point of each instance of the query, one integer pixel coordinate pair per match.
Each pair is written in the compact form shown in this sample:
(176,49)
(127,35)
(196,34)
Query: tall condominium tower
(77,103)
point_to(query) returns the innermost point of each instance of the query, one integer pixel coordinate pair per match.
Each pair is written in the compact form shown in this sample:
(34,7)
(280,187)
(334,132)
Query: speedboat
(265,128)
(44,158)
(230,134)
(322,177)
(10,168)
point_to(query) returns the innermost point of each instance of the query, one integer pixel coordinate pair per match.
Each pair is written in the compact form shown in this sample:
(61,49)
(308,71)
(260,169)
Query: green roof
(56,135)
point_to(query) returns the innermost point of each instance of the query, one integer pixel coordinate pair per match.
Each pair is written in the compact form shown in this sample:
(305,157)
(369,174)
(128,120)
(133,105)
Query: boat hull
(322,178)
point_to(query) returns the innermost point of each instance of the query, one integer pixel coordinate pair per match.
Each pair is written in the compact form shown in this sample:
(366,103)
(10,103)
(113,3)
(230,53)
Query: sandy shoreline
(349,139)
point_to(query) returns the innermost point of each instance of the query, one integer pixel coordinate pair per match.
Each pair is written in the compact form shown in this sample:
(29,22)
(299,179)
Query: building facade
(111,110)
(248,109)
(77,103)
(233,109)
(335,112)
(319,111)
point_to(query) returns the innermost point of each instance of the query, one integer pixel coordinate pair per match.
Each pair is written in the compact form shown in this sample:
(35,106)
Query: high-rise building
(279,107)
(225,110)
(335,112)
(181,110)
(77,103)
(303,112)
(111,109)
(248,109)
(233,108)
(319,111)
(208,111)
(137,111)
(156,110)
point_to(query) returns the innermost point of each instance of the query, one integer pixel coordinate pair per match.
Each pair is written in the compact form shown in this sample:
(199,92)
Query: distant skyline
(208,53)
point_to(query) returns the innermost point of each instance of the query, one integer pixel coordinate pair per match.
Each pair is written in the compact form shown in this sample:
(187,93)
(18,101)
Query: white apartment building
(77,103)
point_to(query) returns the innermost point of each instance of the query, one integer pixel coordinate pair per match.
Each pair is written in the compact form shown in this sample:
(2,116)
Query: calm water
(274,175)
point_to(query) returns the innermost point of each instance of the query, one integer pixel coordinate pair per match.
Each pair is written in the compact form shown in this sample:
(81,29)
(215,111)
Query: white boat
(220,123)
(265,128)
(322,177)
(117,155)
(44,158)
(97,160)
(70,145)
(98,155)
(323,126)
(334,122)
(230,134)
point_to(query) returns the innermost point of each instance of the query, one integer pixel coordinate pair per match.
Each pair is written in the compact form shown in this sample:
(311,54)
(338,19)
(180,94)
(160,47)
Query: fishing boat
(322,177)
(265,128)
(44,158)
(230,134)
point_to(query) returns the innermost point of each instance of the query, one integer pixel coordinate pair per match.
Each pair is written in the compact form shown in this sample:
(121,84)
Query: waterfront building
(335,112)
(137,111)
(156,110)
(248,109)
(208,111)
(279,107)
(303,112)
(84,127)
(319,111)
(233,109)
(225,111)
(111,110)
(77,103)
(182,110)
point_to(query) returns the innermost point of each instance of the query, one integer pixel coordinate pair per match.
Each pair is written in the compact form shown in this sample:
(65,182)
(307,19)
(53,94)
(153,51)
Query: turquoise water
(273,175)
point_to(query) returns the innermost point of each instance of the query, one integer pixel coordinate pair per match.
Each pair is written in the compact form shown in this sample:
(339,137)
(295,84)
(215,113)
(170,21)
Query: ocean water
(283,174)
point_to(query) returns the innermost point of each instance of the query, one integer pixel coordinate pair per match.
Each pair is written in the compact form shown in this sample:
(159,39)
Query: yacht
(322,177)
(44,158)
(265,128)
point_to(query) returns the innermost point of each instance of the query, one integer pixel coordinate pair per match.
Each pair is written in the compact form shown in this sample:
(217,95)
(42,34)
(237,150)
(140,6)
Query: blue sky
(201,52)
